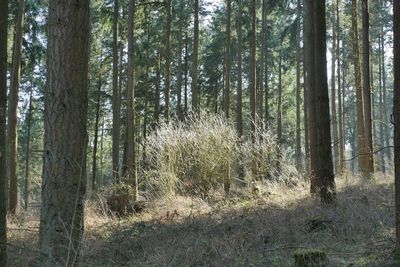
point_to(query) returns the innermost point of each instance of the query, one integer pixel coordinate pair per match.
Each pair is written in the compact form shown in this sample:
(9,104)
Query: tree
(195,56)
(367,90)
(131,120)
(116,106)
(252,75)
(3,106)
(239,99)
(298,89)
(322,181)
(228,63)
(167,52)
(396,112)
(359,94)
(65,140)
(13,110)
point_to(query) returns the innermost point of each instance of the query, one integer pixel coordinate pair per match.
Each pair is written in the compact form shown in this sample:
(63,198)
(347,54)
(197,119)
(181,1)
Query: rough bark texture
(320,133)
(228,64)
(131,118)
(195,56)
(362,160)
(116,106)
(3,106)
(27,151)
(367,90)
(13,110)
(239,104)
(96,133)
(396,112)
(65,140)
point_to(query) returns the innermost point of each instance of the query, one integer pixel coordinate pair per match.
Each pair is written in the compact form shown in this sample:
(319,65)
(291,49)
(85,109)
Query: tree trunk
(168,61)
(239,100)
(279,116)
(381,112)
(227,92)
(253,84)
(333,95)
(341,135)
(186,73)
(65,140)
(320,132)
(367,91)
(13,110)
(96,133)
(298,89)
(195,93)
(3,144)
(116,106)
(359,95)
(131,120)
(27,150)
(396,111)
(180,70)
(157,95)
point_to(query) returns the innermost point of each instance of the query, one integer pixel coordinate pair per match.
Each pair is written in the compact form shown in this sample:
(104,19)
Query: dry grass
(243,230)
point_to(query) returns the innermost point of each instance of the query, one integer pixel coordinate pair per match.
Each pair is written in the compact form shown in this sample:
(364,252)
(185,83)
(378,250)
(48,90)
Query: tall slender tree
(28,149)
(13,110)
(131,116)
(167,53)
(298,89)
(341,135)
(367,90)
(195,56)
(239,100)
(396,111)
(116,106)
(65,140)
(3,107)
(228,63)
(362,162)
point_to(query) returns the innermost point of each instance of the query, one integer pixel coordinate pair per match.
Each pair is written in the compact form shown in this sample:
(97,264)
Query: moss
(310,258)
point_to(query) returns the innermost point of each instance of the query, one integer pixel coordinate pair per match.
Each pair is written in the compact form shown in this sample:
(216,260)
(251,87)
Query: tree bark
(27,150)
(65,140)
(13,110)
(253,83)
(381,112)
(317,78)
(396,112)
(228,63)
(367,90)
(96,132)
(239,100)
(359,95)
(157,94)
(298,89)
(180,70)
(195,56)
(3,144)
(279,116)
(131,116)
(116,104)
(168,61)
(341,135)
(333,95)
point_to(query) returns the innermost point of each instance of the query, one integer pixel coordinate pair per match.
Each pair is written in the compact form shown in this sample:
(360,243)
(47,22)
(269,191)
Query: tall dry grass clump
(201,154)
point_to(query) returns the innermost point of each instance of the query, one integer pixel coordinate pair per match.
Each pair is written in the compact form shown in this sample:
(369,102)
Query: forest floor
(244,230)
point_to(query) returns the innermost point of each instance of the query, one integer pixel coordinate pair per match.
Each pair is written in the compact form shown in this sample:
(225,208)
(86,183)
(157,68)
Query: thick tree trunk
(317,80)
(396,112)
(239,100)
(3,144)
(167,54)
(116,106)
(362,150)
(131,118)
(195,56)
(13,110)
(367,90)
(227,92)
(65,140)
